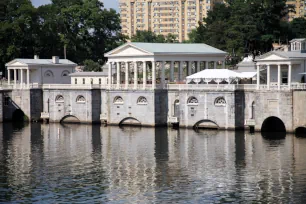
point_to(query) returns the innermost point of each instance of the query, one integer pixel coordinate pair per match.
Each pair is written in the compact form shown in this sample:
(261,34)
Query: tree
(91,66)
(243,27)
(298,28)
(147,36)
(81,27)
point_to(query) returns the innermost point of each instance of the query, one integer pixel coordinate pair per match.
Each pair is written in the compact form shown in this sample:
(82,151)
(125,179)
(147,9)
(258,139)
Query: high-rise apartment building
(178,17)
(300,9)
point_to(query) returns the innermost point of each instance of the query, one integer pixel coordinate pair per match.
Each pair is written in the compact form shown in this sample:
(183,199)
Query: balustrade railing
(220,87)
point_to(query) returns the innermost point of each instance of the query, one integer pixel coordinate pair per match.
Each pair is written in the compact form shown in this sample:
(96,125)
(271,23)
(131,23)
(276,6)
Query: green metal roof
(186,48)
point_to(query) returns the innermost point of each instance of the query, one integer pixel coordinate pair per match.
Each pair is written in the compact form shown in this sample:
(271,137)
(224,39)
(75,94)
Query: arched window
(59,99)
(142,101)
(118,100)
(176,107)
(48,74)
(220,101)
(80,99)
(65,73)
(192,101)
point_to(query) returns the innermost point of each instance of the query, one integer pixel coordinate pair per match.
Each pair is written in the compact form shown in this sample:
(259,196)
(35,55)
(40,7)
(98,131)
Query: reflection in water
(84,163)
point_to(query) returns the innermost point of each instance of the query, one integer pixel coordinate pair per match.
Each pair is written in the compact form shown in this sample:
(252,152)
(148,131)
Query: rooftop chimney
(55,60)
(36,57)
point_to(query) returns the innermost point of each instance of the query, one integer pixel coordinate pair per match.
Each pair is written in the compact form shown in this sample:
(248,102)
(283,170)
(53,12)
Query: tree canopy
(150,37)
(82,28)
(243,27)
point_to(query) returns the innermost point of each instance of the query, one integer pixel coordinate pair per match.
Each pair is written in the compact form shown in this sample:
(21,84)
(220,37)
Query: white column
(28,77)
(215,65)
(258,76)
(135,75)
(206,64)
(278,76)
(110,67)
(198,66)
(153,75)
(223,64)
(289,75)
(15,78)
(21,78)
(9,77)
(118,74)
(162,81)
(189,68)
(144,81)
(126,75)
(268,76)
(171,71)
(181,71)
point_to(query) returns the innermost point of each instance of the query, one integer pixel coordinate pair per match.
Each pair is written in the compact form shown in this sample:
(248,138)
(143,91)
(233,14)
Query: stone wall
(299,107)
(71,105)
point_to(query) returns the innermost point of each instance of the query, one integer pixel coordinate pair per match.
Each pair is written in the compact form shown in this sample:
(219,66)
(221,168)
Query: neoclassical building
(21,73)
(148,65)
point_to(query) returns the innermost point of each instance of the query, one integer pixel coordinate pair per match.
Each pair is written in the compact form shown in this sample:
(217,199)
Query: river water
(88,164)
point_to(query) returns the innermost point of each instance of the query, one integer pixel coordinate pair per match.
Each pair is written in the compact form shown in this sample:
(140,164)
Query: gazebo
(142,61)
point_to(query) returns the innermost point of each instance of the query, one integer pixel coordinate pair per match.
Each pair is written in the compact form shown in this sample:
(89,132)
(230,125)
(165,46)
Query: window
(192,101)
(142,101)
(6,100)
(83,80)
(59,99)
(65,73)
(91,81)
(48,74)
(76,81)
(99,80)
(118,100)
(80,99)
(220,101)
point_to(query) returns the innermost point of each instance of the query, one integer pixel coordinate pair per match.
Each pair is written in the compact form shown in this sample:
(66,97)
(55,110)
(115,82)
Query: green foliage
(91,66)
(244,27)
(150,37)
(83,27)
(298,28)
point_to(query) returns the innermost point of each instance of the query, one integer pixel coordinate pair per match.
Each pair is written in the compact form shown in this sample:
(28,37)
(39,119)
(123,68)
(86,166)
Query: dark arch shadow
(19,116)
(300,132)
(130,121)
(70,119)
(273,128)
(206,124)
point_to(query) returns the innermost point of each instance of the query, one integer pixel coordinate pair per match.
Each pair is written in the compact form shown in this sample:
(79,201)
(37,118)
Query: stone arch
(18,116)
(118,100)
(59,99)
(220,101)
(206,124)
(300,131)
(142,100)
(130,121)
(69,119)
(80,99)
(48,77)
(273,128)
(192,101)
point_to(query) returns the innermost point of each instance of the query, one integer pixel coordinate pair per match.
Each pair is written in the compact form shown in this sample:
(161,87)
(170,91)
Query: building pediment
(15,63)
(272,56)
(127,50)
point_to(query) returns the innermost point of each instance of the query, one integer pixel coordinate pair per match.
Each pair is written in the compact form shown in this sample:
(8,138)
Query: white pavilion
(152,65)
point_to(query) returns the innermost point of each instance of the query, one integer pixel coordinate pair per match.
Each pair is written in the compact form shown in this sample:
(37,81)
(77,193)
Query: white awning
(219,75)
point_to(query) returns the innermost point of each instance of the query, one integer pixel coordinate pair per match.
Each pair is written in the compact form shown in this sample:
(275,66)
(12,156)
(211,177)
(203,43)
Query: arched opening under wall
(19,116)
(206,124)
(70,119)
(130,122)
(300,132)
(273,128)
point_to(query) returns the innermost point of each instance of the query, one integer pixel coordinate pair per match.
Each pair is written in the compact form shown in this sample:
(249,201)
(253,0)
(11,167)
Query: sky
(107,3)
